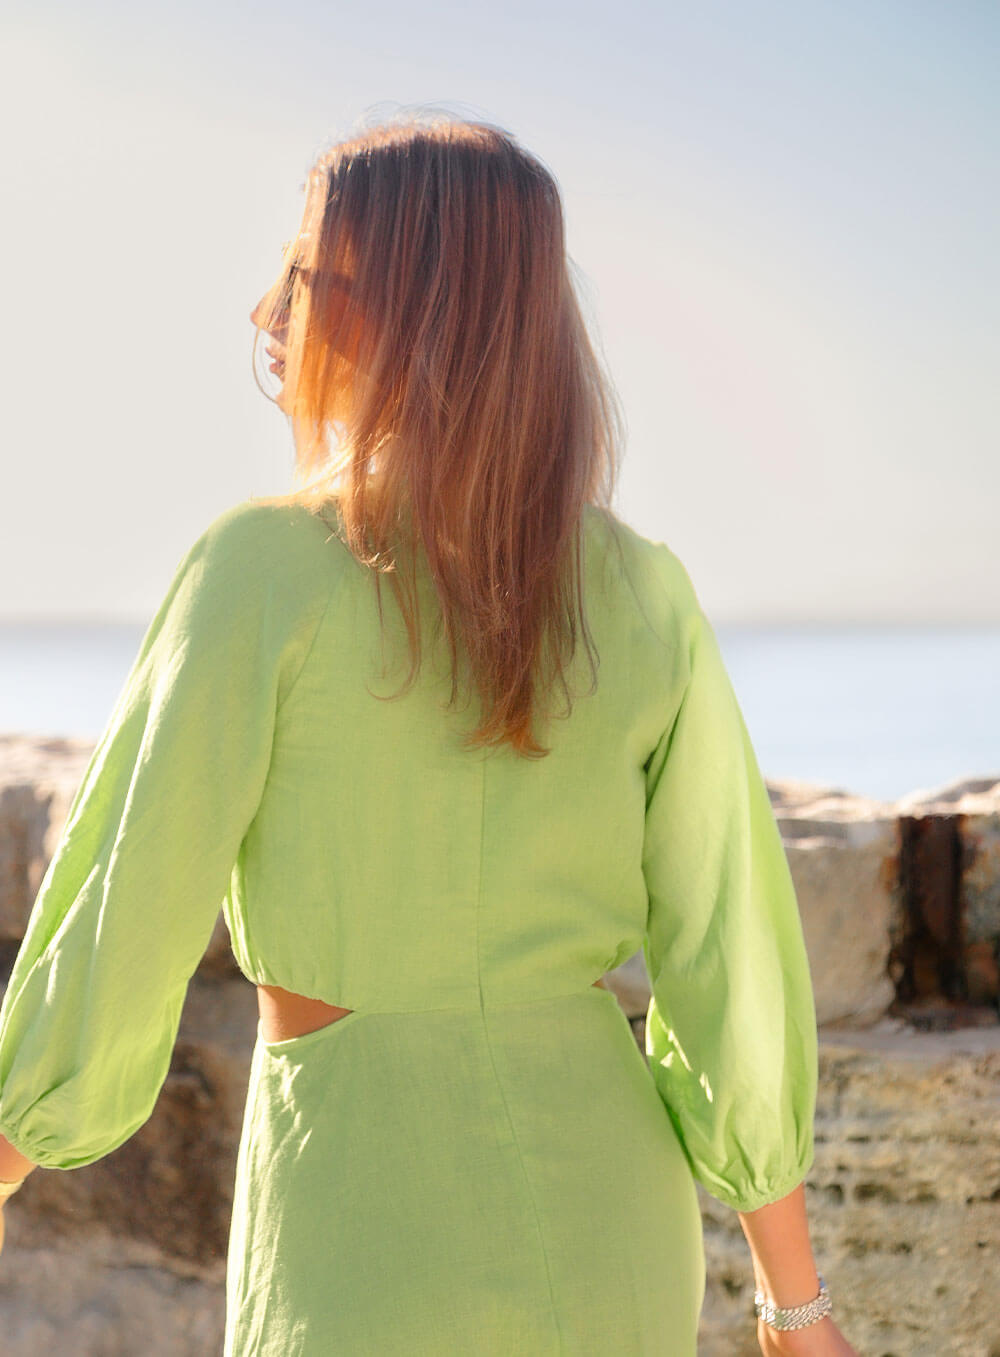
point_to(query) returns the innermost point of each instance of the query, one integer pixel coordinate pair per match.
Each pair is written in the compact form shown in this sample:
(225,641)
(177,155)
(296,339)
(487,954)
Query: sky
(783,219)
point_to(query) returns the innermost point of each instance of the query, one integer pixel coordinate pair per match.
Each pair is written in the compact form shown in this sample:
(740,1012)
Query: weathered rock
(975,803)
(903,1199)
(961,794)
(38,781)
(105,1296)
(842,851)
(952,941)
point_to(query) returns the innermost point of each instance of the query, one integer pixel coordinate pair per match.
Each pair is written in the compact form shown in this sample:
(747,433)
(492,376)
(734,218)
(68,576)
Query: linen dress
(478,1159)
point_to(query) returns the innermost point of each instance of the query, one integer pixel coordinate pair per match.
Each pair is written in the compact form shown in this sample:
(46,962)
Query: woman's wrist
(789,1292)
(800,1316)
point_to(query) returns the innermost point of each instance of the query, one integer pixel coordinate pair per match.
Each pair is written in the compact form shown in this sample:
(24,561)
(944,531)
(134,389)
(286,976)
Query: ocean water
(876,711)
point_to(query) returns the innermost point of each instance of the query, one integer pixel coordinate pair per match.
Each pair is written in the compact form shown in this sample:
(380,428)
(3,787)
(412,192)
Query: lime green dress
(478,1159)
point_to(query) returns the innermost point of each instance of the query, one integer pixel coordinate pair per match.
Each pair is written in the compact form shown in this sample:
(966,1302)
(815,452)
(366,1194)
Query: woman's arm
(785,1270)
(783,1263)
(13,1166)
(145,857)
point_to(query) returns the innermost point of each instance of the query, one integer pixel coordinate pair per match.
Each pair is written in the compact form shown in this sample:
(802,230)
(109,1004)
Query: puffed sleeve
(731,1026)
(128,902)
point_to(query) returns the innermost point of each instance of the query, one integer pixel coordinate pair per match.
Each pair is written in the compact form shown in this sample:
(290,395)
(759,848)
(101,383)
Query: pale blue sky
(785,214)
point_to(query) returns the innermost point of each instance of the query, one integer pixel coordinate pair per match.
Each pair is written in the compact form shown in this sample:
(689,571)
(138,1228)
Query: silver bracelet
(793,1316)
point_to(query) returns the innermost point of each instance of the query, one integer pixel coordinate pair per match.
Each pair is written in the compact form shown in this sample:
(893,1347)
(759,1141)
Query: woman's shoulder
(259,558)
(259,524)
(655,572)
(257,540)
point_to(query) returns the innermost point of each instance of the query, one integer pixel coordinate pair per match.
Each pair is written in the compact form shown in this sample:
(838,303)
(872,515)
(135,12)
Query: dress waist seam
(475,1008)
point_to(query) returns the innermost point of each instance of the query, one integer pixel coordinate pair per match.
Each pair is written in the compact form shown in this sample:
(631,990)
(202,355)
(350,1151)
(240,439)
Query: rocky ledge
(900,906)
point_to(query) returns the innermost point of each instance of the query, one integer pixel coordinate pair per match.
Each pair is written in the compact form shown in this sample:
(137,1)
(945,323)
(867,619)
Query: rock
(38,781)
(112,1297)
(969,810)
(963,793)
(842,851)
(790,793)
(903,1198)
(982,973)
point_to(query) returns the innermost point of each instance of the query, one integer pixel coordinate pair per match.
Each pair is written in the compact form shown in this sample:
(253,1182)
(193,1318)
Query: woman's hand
(822,1339)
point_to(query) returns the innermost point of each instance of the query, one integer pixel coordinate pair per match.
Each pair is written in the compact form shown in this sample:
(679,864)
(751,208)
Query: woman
(452,1143)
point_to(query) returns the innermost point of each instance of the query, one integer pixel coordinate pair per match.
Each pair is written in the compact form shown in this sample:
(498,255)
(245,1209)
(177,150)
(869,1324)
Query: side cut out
(284,1015)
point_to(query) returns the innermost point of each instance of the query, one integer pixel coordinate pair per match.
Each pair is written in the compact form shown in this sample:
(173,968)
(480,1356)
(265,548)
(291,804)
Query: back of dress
(478,1158)
(389,869)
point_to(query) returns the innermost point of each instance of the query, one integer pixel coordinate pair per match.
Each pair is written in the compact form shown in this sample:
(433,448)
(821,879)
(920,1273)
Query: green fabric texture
(479,1158)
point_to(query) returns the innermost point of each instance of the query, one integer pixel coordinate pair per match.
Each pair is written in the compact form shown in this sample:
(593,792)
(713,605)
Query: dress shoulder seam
(333,591)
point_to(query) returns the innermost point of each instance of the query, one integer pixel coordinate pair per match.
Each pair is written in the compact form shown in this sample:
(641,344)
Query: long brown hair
(432,322)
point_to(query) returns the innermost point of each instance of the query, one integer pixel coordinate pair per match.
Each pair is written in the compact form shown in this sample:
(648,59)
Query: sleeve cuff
(751,1200)
(14,1139)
